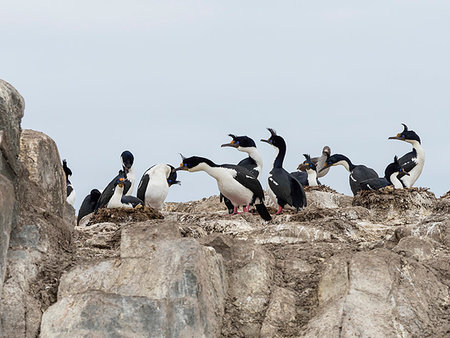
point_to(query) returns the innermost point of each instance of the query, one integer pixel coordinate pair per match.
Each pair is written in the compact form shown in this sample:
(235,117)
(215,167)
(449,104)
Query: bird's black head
(172,179)
(309,164)
(121,179)
(395,167)
(334,160)
(127,159)
(240,141)
(95,195)
(192,163)
(275,140)
(406,135)
(67,170)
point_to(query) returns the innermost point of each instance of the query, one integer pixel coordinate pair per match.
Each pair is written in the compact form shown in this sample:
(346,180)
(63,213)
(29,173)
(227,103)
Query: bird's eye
(237,142)
(170,181)
(185,164)
(311,165)
(271,141)
(403,136)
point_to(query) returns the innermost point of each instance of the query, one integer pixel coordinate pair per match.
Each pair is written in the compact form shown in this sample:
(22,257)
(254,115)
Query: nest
(125,215)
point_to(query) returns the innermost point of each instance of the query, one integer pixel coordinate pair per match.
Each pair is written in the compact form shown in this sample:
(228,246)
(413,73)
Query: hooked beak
(301,167)
(176,182)
(263,140)
(181,167)
(234,145)
(396,137)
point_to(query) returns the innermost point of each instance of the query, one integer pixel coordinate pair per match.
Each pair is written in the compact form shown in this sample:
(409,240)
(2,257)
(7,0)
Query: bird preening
(239,184)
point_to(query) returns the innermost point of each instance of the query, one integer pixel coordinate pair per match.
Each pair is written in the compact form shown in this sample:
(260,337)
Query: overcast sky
(165,77)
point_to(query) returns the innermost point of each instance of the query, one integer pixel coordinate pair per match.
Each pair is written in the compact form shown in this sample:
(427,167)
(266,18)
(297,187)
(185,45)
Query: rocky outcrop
(36,228)
(376,264)
(160,286)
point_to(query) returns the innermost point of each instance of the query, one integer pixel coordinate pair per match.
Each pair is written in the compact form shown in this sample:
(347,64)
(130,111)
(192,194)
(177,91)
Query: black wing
(249,164)
(143,186)
(280,184)
(88,205)
(249,181)
(297,193)
(374,183)
(134,201)
(406,161)
(300,176)
(360,174)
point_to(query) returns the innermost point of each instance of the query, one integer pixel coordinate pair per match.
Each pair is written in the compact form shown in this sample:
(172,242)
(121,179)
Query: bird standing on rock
(253,162)
(154,185)
(413,161)
(358,173)
(283,188)
(234,182)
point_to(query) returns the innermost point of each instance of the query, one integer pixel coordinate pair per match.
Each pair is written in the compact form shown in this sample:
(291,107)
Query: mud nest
(388,197)
(324,188)
(124,215)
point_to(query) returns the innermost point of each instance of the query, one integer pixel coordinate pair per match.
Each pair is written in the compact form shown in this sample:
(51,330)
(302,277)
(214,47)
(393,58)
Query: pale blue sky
(163,77)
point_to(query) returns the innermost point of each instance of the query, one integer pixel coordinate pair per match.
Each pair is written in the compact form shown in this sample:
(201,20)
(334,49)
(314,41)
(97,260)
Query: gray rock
(379,285)
(162,285)
(11,112)
(39,154)
(7,200)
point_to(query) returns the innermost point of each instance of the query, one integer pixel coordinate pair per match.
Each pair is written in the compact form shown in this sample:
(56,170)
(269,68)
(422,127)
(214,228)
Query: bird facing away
(391,177)
(127,169)
(70,196)
(88,205)
(119,200)
(358,173)
(154,185)
(234,182)
(319,162)
(308,177)
(413,161)
(283,188)
(253,162)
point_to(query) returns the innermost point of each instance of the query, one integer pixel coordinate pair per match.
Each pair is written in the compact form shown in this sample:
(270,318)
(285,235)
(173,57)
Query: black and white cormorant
(70,197)
(319,162)
(390,178)
(88,205)
(283,188)
(253,162)
(119,200)
(413,161)
(234,182)
(154,185)
(308,177)
(358,173)
(127,169)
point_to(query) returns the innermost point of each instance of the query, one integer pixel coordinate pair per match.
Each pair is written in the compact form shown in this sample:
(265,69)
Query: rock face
(35,245)
(161,286)
(374,265)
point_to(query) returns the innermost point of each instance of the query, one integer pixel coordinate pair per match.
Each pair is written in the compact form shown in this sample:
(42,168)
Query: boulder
(396,294)
(162,285)
(39,154)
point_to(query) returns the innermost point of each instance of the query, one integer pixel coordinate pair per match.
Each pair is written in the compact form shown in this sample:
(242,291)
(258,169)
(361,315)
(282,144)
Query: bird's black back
(88,205)
(108,192)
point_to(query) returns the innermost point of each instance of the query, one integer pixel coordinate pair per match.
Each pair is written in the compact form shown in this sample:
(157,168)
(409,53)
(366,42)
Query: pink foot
(280,210)
(235,212)
(246,208)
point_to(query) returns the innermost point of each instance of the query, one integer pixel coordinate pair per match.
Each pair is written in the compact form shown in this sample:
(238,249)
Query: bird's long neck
(420,152)
(254,154)
(345,161)
(278,163)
